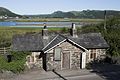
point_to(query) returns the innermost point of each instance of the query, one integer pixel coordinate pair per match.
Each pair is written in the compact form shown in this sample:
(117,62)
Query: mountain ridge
(85,14)
(8,13)
(88,14)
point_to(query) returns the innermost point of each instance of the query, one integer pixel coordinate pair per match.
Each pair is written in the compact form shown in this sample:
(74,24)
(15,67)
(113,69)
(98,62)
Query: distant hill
(6,12)
(85,14)
(89,14)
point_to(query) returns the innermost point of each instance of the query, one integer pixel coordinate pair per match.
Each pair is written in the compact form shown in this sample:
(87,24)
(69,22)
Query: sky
(49,6)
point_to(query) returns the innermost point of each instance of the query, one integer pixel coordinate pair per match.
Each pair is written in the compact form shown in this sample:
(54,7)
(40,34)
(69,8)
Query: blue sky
(49,6)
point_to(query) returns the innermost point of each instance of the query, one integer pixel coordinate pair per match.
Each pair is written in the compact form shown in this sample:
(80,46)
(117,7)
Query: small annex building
(58,51)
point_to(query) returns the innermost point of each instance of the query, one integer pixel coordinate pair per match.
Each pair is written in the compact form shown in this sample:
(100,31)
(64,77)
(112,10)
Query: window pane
(93,54)
(57,53)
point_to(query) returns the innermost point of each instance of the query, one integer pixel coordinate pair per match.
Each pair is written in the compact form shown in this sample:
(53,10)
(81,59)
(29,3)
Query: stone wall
(75,57)
(34,60)
(100,54)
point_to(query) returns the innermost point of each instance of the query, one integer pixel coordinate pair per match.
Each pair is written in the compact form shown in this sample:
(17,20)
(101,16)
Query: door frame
(68,52)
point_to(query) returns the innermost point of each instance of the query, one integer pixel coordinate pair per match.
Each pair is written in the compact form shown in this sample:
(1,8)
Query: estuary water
(38,24)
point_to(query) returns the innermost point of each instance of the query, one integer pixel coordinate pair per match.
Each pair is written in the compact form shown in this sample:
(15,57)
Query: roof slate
(28,42)
(35,42)
(91,40)
(55,41)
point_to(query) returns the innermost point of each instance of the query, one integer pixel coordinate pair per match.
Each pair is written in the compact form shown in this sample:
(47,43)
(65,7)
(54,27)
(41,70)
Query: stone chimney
(73,31)
(45,32)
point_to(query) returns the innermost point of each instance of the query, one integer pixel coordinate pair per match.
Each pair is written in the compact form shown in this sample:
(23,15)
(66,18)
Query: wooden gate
(4,50)
(66,60)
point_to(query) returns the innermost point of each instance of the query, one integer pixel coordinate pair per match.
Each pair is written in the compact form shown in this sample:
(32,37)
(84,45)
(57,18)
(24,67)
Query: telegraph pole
(105,18)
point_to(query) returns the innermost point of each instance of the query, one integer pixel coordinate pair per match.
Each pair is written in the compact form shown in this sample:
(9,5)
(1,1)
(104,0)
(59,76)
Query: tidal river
(38,24)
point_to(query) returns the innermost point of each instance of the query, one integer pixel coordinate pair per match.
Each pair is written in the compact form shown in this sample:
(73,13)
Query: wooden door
(66,61)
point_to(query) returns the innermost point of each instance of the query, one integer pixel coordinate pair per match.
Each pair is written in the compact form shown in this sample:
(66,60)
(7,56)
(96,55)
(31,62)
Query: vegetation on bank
(57,20)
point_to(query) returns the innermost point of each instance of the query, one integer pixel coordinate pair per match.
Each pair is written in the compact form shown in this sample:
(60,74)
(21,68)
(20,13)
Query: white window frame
(56,54)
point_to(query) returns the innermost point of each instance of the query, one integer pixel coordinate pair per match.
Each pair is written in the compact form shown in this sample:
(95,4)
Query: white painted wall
(34,54)
(83,65)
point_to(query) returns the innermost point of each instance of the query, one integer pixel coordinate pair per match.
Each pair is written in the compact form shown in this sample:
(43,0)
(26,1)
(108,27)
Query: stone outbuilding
(58,51)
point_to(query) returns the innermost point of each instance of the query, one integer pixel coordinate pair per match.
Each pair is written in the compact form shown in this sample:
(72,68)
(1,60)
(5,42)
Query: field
(27,29)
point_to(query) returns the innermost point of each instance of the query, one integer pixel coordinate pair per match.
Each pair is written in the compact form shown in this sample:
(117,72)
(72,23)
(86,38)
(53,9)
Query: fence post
(4,50)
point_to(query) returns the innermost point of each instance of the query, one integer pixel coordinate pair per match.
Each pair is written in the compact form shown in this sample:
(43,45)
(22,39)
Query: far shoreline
(55,20)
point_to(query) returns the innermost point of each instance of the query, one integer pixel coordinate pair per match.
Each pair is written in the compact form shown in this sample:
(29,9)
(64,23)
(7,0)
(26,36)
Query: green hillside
(8,13)
(85,14)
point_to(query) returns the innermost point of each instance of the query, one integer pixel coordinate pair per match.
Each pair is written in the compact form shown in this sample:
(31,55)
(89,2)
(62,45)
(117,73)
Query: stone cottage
(59,51)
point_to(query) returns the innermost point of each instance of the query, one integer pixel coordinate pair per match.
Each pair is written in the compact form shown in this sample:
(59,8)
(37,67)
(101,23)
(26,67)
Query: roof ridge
(62,36)
(50,42)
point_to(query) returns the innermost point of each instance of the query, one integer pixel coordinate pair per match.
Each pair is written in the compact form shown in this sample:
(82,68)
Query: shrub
(17,63)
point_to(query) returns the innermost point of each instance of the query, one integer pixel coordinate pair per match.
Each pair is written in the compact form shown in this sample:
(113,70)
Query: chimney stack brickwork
(45,32)
(74,31)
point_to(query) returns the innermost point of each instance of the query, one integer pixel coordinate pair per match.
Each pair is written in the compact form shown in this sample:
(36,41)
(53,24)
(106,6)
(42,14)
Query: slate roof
(91,40)
(35,42)
(59,38)
(27,42)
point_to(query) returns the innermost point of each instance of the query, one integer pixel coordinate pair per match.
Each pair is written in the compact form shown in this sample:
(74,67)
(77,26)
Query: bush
(17,63)
(19,55)
(15,66)
(89,29)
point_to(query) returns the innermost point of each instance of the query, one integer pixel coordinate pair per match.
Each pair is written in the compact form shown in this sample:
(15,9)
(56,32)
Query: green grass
(27,29)
(22,30)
